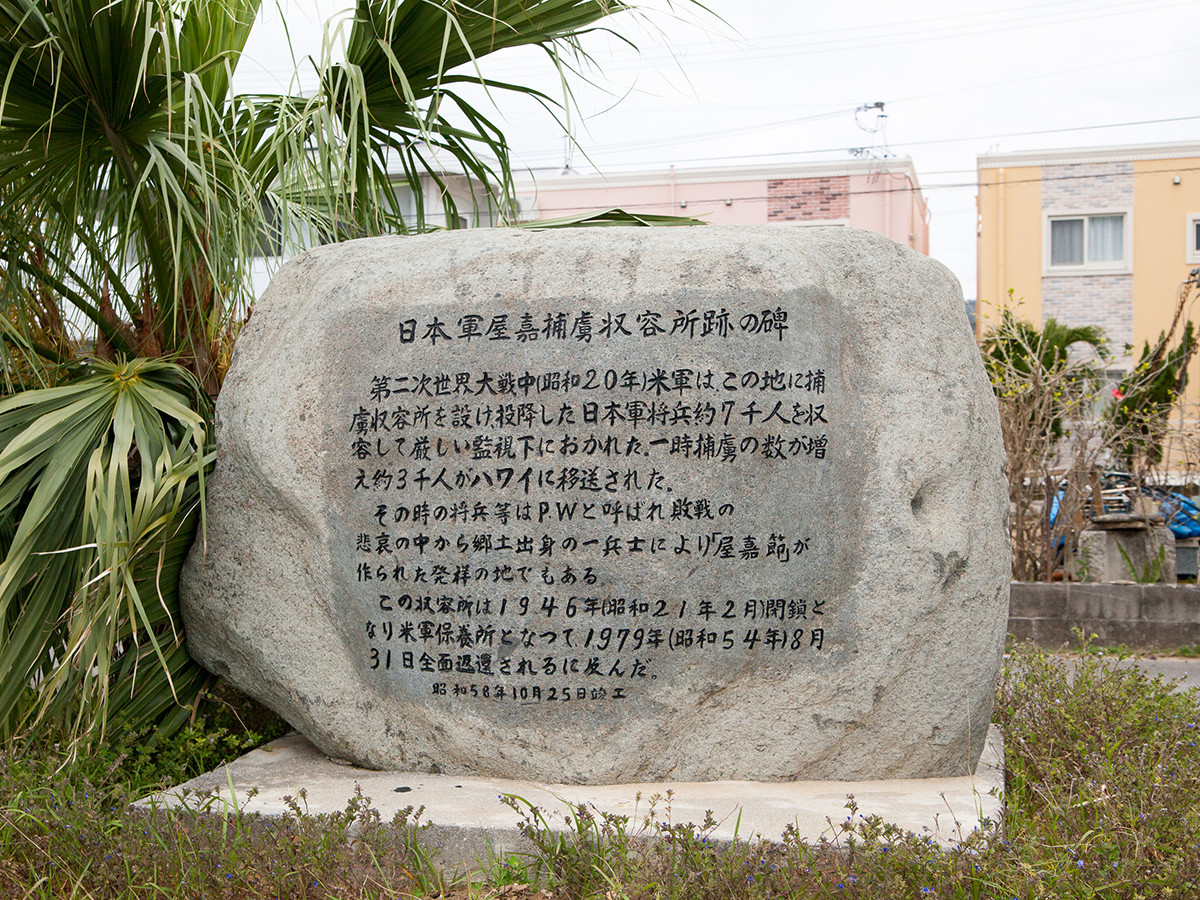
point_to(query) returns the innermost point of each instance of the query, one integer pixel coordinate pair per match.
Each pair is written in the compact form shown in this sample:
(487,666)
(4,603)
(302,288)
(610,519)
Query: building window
(1096,241)
(1193,238)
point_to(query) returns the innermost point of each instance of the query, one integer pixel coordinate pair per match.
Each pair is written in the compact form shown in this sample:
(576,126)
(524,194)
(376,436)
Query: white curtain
(1106,238)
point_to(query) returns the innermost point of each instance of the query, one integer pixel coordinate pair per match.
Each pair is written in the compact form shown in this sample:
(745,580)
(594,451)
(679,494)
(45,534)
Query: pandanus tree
(1045,382)
(135,190)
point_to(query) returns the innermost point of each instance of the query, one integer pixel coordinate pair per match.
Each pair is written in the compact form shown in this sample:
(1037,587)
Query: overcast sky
(759,81)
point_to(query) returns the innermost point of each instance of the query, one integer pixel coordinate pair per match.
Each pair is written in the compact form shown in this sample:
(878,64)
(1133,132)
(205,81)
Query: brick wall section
(1104,300)
(798,199)
(1087,186)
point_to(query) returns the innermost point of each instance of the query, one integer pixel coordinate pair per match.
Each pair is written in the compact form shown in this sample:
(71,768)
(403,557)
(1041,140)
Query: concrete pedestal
(1127,548)
(468,820)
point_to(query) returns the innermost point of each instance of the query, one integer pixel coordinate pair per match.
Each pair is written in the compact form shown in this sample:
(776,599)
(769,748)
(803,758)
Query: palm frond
(135,193)
(392,97)
(101,490)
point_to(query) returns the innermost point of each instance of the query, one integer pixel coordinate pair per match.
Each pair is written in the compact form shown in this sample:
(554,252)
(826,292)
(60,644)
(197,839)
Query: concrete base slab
(468,821)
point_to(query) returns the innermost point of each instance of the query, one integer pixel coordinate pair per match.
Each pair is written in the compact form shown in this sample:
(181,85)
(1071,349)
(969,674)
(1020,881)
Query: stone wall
(1162,617)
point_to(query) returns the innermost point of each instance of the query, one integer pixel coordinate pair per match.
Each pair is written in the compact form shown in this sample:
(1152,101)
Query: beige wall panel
(1010,242)
(1161,208)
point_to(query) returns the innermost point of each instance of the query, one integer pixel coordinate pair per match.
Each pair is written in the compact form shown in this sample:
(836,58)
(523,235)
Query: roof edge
(899,165)
(1076,155)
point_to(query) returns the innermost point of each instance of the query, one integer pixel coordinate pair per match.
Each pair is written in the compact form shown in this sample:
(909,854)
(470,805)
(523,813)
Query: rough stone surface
(788,559)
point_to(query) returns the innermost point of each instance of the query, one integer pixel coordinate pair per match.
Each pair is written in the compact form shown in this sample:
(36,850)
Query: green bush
(1102,801)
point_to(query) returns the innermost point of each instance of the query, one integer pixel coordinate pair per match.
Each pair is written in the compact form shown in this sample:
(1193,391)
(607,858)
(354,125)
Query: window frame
(1192,238)
(1123,266)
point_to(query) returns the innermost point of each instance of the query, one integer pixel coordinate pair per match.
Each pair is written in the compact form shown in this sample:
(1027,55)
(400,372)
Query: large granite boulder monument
(612,505)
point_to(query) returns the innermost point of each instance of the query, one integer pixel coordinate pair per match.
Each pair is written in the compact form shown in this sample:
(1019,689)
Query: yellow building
(1092,236)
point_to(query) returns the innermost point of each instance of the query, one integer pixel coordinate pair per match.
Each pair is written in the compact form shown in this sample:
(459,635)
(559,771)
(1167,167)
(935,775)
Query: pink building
(880,195)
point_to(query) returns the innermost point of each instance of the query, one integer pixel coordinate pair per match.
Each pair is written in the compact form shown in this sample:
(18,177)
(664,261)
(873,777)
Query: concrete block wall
(1151,617)
(798,199)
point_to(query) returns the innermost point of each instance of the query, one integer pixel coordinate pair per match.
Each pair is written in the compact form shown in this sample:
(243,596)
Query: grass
(1103,800)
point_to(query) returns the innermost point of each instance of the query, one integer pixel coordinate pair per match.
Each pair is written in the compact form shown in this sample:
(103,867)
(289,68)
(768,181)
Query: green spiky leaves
(101,486)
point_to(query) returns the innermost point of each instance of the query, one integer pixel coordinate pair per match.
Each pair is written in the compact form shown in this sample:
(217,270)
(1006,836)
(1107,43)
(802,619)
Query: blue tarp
(1181,513)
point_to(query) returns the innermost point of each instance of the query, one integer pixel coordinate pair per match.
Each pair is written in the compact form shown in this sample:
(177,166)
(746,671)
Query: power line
(739,55)
(700,136)
(979,137)
(1040,7)
(909,189)
(984,137)
(1103,65)
(896,33)
(756,42)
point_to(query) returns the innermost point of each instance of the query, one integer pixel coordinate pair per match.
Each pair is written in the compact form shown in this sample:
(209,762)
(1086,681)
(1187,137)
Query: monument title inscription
(531,534)
(612,506)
